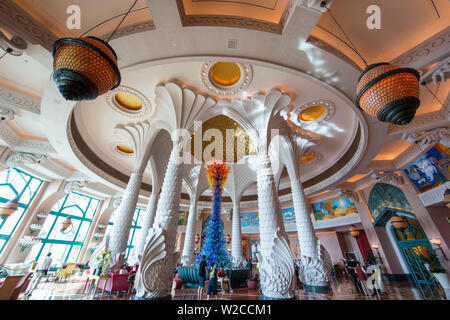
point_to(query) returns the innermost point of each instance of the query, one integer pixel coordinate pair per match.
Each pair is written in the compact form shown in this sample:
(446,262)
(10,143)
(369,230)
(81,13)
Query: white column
(236,239)
(277,272)
(315,265)
(189,240)
(306,237)
(124,218)
(155,275)
(149,217)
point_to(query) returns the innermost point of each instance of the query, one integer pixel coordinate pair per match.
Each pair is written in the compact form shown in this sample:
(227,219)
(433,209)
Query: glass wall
(15,184)
(65,229)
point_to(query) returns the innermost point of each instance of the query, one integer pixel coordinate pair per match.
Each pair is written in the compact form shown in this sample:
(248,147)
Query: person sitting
(223,279)
(212,283)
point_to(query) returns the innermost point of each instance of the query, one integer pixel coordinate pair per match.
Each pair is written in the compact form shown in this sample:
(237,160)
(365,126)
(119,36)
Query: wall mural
(251,219)
(431,169)
(333,208)
(182,218)
(387,197)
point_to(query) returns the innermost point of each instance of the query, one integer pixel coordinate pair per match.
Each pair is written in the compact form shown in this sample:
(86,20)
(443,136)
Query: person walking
(212,284)
(41,271)
(202,277)
(351,266)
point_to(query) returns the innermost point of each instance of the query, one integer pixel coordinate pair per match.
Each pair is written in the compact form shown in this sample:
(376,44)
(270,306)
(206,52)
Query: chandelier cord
(437,12)
(112,18)
(345,34)
(115,30)
(434,95)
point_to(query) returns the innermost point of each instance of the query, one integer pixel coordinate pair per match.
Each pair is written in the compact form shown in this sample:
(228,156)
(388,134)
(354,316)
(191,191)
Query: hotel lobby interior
(301,147)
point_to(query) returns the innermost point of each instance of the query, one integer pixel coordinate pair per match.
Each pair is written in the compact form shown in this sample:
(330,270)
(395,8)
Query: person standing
(41,271)
(201,277)
(212,283)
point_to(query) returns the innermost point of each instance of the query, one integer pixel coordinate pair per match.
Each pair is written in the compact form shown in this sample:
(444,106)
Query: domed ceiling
(317,109)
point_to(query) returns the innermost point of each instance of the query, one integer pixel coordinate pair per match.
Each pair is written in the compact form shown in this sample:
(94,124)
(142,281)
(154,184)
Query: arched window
(65,229)
(135,231)
(15,184)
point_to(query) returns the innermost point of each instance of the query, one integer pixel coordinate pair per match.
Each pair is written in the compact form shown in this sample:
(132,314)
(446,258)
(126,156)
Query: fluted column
(306,237)
(236,239)
(155,275)
(189,240)
(314,266)
(149,217)
(277,266)
(123,220)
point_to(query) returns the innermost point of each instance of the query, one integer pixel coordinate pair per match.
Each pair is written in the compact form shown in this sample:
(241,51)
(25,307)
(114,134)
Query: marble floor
(342,289)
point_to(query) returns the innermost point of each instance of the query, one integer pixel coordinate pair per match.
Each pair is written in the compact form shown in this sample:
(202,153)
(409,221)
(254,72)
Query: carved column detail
(306,237)
(189,241)
(149,218)
(236,245)
(155,275)
(123,221)
(276,261)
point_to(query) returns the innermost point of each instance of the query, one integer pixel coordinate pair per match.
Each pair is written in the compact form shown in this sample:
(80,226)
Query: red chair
(117,282)
(178,281)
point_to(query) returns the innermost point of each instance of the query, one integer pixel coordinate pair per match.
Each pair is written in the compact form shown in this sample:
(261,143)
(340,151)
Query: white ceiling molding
(6,114)
(433,49)
(23,145)
(439,73)
(315,5)
(430,137)
(13,99)
(435,195)
(74,186)
(26,158)
(427,121)
(387,177)
(20,22)
(131,29)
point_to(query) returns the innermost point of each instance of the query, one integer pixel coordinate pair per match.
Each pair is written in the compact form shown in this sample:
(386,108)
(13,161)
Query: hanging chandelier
(7,209)
(86,67)
(389,93)
(384,91)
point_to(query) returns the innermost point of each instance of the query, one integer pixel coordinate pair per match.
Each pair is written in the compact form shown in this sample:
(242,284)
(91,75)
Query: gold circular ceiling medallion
(128,101)
(307,158)
(225,73)
(125,149)
(311,113)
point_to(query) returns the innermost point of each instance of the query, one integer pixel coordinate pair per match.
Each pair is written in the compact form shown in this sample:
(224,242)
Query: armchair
(66,272)
(116,282)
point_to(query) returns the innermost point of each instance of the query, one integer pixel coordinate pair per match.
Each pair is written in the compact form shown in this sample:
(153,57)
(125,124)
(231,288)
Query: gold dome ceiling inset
(125,149)
(225,73)
(128,101)
(311,113)
(234,142)
(307,158)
